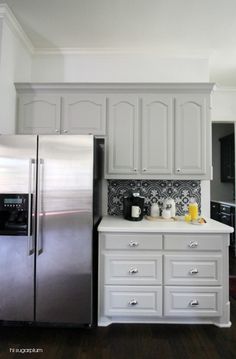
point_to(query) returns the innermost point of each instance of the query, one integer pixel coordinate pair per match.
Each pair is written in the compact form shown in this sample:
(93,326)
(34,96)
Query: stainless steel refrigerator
(46,228)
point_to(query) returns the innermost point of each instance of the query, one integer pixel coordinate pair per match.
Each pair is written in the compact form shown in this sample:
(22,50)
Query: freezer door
(17,175)
(64,230)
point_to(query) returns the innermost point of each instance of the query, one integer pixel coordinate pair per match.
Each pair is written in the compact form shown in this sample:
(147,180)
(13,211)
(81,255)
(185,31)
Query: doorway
(222,194)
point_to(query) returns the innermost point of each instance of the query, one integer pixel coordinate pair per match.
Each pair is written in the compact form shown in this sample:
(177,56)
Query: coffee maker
(133,207)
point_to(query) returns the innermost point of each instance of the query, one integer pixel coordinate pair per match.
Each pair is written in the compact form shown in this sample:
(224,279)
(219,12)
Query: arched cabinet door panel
(84,114)
(39,114)
(192,128)
(123,147)
(157,134)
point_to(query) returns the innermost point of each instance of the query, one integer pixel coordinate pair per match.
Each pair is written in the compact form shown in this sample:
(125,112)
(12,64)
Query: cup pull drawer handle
(194,303)
(193,244)
(133,302)
(133,271)
(193,271)
(133,244)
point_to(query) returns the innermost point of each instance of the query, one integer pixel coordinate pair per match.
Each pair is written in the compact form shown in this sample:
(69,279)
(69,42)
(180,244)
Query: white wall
(224,104)
(15,65)
(117,67)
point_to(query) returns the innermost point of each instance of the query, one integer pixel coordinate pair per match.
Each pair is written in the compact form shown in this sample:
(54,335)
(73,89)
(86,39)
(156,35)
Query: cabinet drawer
(193,301)
(133,301)
(132,241)
(225,208)
(127,269)
(196,242)
(194,270)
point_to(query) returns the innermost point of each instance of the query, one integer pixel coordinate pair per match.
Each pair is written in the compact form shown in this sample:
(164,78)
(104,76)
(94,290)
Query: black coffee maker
(133,207)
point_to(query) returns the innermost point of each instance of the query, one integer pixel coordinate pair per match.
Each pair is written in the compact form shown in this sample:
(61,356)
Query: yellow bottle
(193,210)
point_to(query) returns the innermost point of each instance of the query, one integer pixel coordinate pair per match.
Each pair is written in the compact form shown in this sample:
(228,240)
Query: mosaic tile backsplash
(154,191)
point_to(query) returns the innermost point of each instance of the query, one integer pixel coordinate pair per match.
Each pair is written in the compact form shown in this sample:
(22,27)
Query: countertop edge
(118,224)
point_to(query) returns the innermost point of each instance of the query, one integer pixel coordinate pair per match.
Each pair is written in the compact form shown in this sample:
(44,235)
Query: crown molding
(198,87)
(219,88)
(162,54)
(7,15)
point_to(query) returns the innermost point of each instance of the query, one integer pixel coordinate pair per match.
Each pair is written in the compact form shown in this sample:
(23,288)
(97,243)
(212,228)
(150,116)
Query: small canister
(155,210)
(166,213)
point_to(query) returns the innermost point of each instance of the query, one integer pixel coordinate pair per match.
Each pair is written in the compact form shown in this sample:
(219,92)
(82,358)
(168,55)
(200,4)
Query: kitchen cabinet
(161,277)
(159,135)
(225,213)
(191,135)
(51,110)
(154,131)
(83,114)
(123,136)
(39,114)
(227,159)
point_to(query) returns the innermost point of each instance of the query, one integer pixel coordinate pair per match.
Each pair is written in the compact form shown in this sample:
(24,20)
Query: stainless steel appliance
(46,228)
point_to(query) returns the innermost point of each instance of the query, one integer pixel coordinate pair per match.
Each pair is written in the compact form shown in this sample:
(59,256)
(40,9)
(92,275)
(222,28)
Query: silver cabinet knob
(194,303)
(144,169)
(135,169)
(193,244)
(178,170)
(133,244)
(133,302)
(133,271)
(65,131)
(193,271)
(57,131)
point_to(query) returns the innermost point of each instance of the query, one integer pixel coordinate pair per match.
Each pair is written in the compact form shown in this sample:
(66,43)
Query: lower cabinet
(163,278)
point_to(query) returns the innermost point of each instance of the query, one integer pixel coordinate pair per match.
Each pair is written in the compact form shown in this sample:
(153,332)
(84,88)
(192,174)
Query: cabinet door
(191,133)
(123,146)
(157,134)
(227,159)
(39,114)
(84,114)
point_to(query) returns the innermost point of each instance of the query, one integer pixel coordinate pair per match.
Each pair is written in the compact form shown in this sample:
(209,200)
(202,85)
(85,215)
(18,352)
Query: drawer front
(193,270)
(225,208)
(133,301)
(127,269)
(190,242)
(132,242)
(193,301)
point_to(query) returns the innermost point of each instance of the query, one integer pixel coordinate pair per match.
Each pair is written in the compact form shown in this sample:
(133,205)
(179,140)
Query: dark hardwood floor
(123,341)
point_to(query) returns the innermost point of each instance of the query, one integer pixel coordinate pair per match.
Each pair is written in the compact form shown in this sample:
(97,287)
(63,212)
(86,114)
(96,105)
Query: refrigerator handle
(39,209)
(31,239)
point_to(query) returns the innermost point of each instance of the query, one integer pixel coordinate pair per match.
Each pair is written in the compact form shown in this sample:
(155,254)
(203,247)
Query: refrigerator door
(64,230)
(17,175)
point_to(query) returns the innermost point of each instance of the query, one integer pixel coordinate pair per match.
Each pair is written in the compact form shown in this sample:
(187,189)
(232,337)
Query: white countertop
(119,224)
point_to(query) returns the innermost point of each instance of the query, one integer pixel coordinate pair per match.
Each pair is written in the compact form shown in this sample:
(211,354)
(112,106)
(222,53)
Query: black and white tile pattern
(154,191)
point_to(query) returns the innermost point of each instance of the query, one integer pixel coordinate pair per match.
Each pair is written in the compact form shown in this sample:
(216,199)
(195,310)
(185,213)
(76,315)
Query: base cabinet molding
(150,283)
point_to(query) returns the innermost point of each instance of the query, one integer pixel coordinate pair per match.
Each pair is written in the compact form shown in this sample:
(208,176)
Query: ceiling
(165,26)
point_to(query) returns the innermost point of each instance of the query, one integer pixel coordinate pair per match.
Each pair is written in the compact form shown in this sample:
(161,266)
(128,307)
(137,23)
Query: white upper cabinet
(153,130)
(122,142)
(39,114)
(191,135)
(157,134)
(60,109)
(84,114)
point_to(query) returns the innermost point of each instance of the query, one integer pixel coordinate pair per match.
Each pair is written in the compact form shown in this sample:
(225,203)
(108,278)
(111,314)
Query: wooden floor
(123,342)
